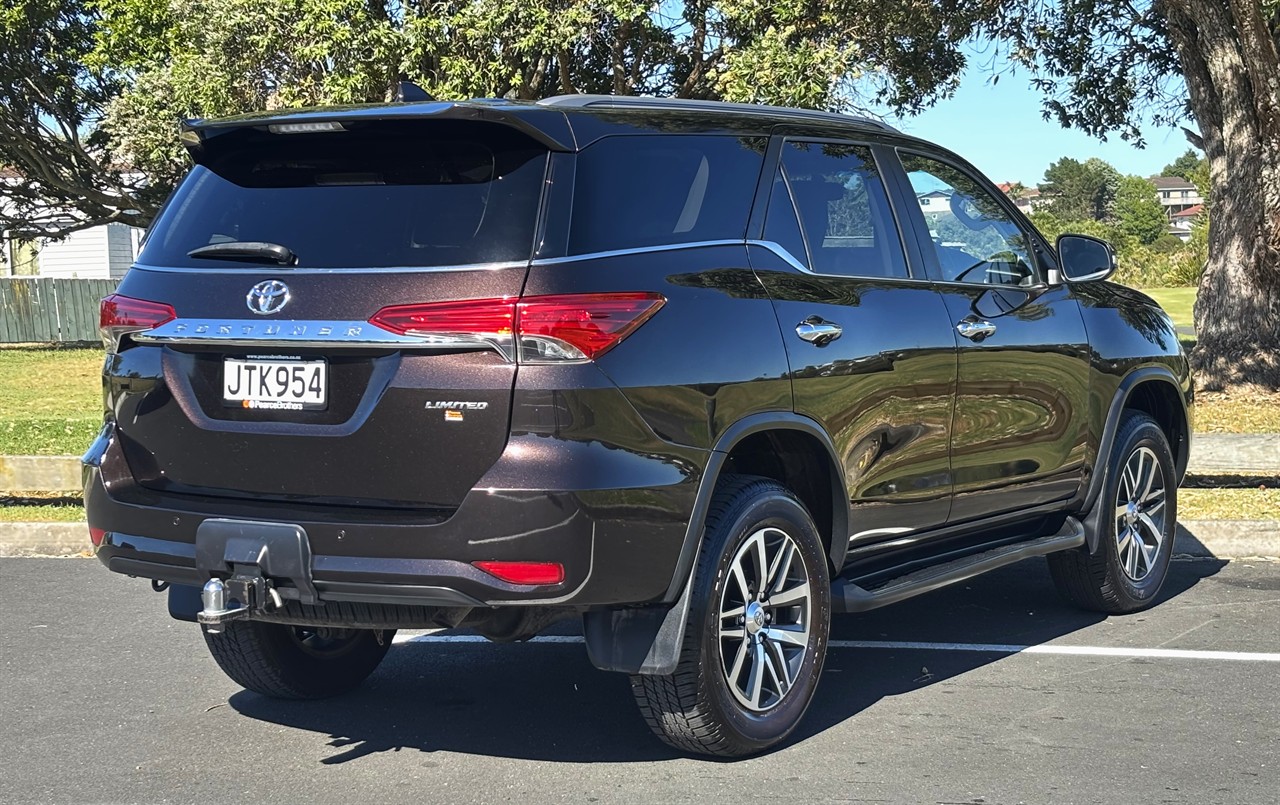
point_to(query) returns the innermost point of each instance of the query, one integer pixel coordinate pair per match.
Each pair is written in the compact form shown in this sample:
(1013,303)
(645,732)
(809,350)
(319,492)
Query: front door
(1018,438)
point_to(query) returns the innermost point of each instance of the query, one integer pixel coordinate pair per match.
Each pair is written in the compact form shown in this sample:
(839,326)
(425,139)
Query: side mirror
(1085,259)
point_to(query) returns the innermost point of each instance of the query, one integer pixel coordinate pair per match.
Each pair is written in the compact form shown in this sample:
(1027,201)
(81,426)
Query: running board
(847,596)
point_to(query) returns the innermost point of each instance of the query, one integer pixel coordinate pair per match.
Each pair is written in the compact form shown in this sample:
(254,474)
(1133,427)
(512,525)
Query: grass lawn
(1229,504)
(50,400)
(1176,302)
(27,513)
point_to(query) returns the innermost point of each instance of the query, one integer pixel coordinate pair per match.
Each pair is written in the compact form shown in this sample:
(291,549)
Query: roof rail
(692,105)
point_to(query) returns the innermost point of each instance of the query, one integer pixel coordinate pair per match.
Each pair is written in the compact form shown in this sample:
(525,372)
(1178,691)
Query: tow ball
(249,594)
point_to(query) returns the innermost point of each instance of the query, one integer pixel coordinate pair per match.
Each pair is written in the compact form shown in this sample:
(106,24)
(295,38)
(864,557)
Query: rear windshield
(375,195)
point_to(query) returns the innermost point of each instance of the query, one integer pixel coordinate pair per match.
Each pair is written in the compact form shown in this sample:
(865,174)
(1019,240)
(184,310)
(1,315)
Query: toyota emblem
(267,297)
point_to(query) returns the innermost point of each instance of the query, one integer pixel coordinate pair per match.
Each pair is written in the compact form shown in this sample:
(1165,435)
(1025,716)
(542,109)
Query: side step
(846,596)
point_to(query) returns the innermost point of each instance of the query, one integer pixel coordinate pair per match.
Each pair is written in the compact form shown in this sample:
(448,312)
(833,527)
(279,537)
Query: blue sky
(999,129)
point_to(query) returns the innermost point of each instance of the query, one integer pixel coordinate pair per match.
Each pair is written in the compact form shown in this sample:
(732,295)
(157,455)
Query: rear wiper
(247,252)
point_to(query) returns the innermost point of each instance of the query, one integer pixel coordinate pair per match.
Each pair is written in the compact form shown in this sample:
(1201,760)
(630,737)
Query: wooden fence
(48,310)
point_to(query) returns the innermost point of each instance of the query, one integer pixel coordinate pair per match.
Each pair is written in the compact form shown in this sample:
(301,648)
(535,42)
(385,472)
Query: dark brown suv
(700,374)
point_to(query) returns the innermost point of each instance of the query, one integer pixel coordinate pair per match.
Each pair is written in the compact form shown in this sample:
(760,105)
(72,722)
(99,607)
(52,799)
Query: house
(1026,199)
(1176,194)
(933,204)
(100,252)
(1180,223)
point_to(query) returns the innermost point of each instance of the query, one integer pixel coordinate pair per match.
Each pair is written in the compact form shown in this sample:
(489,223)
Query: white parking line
(984,648)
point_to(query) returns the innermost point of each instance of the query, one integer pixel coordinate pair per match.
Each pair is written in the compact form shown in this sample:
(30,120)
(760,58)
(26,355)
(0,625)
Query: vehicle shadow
(546,702)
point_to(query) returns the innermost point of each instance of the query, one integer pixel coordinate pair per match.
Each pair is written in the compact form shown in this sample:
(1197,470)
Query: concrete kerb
(1222,539)
(40,474)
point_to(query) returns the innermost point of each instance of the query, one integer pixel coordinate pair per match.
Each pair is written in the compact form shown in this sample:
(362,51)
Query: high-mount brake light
(306,128)
(119,315)
(524,572)
(542,329)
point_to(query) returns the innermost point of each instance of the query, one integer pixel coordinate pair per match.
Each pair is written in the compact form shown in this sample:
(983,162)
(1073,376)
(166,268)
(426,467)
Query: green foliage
(1081,190)
(1193,167)
(1138,212)
(1167,244)
(50,104)
(123,73)
(1189,163)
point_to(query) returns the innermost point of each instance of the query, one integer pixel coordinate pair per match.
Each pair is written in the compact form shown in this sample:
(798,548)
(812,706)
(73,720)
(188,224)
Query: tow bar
(251,556)
(255,593)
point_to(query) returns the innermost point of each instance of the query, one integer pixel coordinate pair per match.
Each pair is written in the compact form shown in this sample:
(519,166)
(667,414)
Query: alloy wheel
(1140,513)
(764,619)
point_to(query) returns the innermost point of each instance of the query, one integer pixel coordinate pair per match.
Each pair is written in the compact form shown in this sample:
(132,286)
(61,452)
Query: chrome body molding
(288,271)
(297,333)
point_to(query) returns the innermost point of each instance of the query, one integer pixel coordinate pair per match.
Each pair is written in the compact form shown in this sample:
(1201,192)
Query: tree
(1189,163)
(51,103)
(1138,212)
(1104,64)
(123,73)
(90,90)
(1081,190)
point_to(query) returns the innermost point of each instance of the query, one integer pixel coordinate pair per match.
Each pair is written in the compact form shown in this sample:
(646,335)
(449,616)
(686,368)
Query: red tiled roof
(1189,212)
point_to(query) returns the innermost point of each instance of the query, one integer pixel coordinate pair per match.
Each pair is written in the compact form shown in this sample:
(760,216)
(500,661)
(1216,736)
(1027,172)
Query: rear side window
(637,191)
(413,194)
(843,210)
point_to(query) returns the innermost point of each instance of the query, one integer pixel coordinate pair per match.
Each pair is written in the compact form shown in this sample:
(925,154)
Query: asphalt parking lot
(105,699)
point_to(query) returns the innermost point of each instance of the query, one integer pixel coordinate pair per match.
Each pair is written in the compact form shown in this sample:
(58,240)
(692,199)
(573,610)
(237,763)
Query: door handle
(975,329)
(818,331)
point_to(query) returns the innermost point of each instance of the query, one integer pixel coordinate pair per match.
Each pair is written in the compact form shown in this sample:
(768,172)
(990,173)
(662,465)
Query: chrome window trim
(286,271)
(666,247)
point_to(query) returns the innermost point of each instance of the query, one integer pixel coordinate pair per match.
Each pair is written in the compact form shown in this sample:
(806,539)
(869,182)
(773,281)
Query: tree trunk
(1229,60)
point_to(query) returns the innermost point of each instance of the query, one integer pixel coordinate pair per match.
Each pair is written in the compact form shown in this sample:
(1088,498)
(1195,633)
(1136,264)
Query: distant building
(1180,223)
(1026,199)
(99,252)
(934,204)
(1176,194)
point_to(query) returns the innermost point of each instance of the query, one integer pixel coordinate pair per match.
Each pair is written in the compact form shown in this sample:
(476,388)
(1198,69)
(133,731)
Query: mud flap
(638,641)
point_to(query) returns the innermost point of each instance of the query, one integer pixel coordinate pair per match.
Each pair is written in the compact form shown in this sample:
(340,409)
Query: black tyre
(757,632)
(1133,520)
(297,662)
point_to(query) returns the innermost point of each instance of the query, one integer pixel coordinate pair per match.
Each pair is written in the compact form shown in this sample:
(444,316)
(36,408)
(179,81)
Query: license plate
(275,384)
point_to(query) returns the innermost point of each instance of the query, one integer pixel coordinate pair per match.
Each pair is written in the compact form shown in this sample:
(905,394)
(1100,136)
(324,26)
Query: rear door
(329,366)
(1019,434)
(870,347)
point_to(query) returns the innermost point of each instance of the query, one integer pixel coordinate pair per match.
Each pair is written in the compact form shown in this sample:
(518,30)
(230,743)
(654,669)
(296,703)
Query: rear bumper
(618,537)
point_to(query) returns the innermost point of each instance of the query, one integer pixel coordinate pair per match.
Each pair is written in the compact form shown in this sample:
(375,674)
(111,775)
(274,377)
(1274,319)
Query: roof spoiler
(550,130)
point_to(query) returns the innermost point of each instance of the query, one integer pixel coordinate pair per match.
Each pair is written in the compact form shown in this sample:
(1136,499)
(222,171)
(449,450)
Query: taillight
(119,315)
(96,536)
(544,329)
(577,326)
(524,572)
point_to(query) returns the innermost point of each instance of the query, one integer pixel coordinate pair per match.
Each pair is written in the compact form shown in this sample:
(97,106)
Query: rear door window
(413,194)
(638,191)
(843,210)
